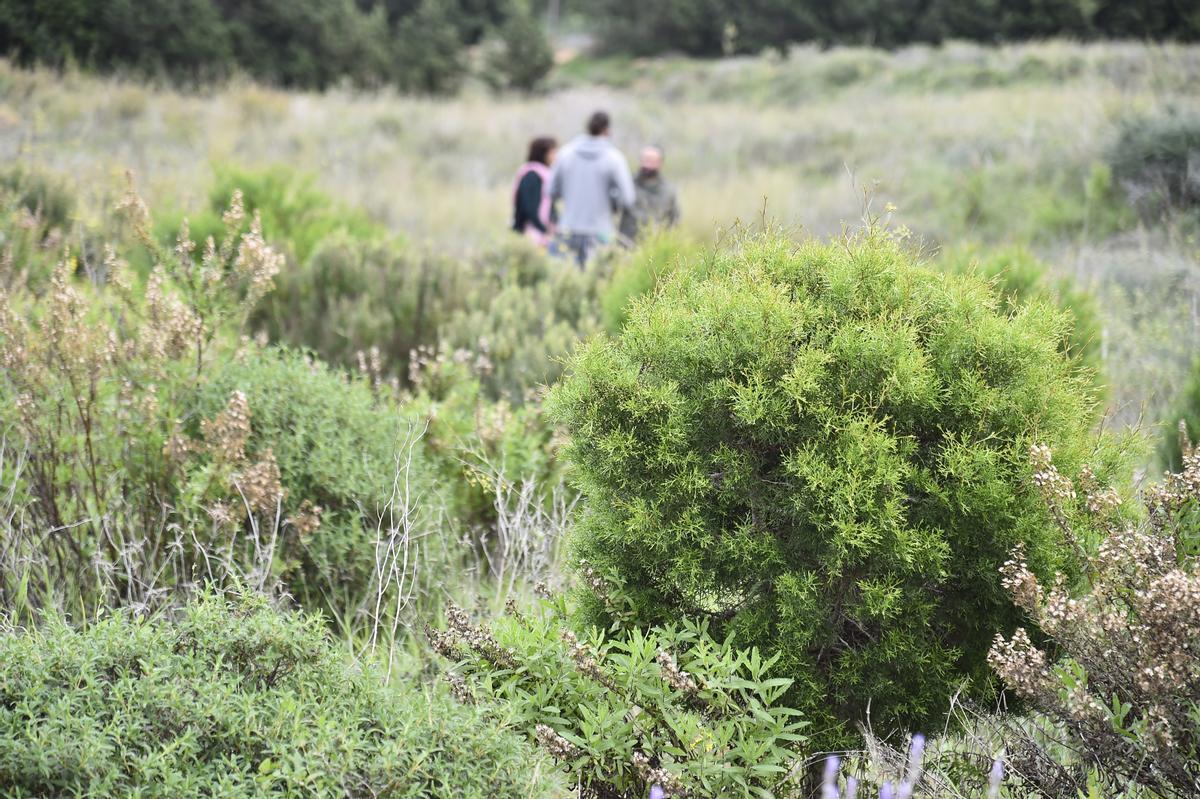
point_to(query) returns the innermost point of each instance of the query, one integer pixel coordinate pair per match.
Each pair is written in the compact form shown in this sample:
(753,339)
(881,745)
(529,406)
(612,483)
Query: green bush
(823,450)
(513,308)
(352,295)
(1156,159)
(48,198)
(429,53)
(1019,279)
(232,699)
(527,311)
(637,274)
(522,57)
(340,448)
(670,706)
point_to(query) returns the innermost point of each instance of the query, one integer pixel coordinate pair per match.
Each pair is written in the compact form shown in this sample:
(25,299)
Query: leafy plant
(668,707)
(232,698)
(1020,278)
(820,448)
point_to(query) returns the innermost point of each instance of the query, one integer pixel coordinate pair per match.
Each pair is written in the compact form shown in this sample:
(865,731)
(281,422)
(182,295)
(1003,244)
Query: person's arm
(673,209)
(529,201)
(626,194)
(556,186)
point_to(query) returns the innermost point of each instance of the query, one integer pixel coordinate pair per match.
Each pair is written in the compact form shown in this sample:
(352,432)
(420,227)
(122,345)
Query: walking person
(655,203)
(533,213)
(591,178)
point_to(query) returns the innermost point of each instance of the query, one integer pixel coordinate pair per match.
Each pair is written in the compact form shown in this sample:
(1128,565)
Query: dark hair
(539,149)
(598,123)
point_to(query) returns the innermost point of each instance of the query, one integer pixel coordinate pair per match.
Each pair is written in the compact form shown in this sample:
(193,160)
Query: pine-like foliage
(823,449)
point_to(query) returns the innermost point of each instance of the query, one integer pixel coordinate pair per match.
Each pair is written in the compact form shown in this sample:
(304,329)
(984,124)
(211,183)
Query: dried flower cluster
(677,678)
(1127,684)
(306,520)
(428,365)
(260,483)
(227,434)
(670,785)
(585,661)
(462,633)
(558,747)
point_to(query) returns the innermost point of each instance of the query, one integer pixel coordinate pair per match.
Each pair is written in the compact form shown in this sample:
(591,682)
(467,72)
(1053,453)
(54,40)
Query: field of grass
(968,144)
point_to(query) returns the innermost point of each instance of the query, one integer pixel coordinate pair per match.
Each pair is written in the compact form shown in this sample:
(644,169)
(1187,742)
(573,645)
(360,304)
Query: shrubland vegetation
(797,491)
(232,698)
(800,445)
(416,46)
(726,27)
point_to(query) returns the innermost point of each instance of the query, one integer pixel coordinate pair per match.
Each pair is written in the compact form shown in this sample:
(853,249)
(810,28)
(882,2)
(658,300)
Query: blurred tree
(429,53)
(522,56)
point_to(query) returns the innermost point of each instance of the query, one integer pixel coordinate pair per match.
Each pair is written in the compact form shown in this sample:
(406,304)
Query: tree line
(716,27)
(421,45)
(416,45)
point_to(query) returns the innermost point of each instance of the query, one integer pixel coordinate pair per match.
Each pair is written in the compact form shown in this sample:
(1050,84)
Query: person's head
(598,124)
(651,159)
(542,150)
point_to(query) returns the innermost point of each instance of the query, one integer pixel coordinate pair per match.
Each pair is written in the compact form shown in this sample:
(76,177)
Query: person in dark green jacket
(655,201)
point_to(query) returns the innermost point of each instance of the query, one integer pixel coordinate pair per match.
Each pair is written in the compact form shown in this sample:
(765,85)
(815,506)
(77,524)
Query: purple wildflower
(995,778)
(851,788)
(886,791)
(829,788)
(656,792)
(916,759)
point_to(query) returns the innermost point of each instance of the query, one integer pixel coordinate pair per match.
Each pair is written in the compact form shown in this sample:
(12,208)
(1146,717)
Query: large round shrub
(823,449)
(1019,278)
(233,699)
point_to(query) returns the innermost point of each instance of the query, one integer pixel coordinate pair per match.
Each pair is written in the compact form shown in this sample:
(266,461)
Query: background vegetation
(262,429)
(723,27)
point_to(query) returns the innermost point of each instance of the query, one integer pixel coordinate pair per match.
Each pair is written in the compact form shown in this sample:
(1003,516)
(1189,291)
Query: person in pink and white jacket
(533,214)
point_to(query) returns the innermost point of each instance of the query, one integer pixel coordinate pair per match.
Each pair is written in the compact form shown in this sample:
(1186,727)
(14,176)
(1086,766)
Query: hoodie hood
(591,148)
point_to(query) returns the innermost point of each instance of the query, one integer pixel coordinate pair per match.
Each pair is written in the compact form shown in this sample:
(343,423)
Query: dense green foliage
(639,272)
(713,27)
(338,447)
(1020,278)
(419,47)
(667,706)
(521,57)
(823,449)
(232,699)
(512,310)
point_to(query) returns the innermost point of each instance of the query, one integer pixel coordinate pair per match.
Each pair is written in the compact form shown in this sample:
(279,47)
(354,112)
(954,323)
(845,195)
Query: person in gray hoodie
(592,179)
